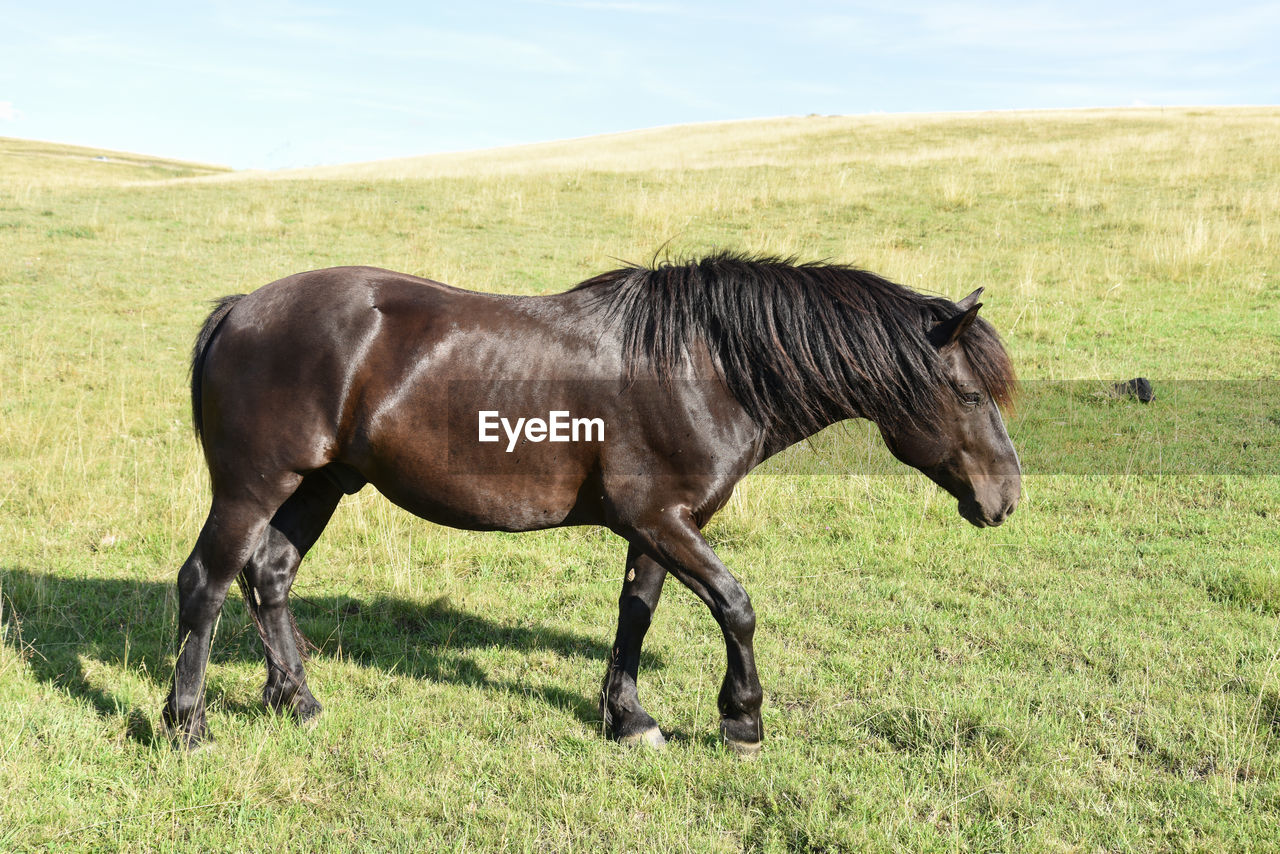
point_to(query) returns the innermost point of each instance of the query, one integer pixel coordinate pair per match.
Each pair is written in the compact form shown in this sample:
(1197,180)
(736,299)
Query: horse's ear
(946,332)
(970,301)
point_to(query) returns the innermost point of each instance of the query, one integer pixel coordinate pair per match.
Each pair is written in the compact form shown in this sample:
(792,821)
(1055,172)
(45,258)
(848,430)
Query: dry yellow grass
(824,141)
(27,165)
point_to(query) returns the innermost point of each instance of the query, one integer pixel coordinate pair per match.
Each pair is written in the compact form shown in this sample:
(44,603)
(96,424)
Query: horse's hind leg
(619,703)
(228,539)
(269,575)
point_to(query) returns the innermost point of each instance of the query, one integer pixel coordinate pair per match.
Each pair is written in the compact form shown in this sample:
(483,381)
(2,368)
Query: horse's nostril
(1003,513)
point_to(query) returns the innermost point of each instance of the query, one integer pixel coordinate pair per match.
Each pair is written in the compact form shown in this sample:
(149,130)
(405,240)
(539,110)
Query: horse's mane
(798,345)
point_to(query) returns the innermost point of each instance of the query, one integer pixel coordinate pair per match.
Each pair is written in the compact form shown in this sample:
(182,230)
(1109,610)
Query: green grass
(1098,674)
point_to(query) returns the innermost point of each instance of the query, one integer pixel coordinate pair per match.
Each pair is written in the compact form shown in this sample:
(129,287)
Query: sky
(272,84)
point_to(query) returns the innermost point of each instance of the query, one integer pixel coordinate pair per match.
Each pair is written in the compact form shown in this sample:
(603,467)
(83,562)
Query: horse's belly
(488,502)
(485,455)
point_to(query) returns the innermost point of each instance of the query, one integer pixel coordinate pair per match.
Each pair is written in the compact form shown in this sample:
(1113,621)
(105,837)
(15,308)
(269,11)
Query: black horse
(465,408)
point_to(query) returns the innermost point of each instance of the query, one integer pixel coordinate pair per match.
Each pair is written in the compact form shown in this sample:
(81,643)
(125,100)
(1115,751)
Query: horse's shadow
(59,623)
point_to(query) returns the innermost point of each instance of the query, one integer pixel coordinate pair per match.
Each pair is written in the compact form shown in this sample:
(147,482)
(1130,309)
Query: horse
(696,371)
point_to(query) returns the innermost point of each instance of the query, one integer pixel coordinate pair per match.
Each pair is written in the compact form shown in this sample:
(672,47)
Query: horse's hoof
(651,737)
(307,714)
(301,706)
(742,737)
(186,742)
(744,749)
(183,739)
(308,722)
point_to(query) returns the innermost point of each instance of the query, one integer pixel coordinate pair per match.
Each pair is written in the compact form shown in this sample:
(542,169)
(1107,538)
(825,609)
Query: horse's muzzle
(975,515)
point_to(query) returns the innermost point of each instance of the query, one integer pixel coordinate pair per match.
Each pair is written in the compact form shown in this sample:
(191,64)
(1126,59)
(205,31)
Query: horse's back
(336,295)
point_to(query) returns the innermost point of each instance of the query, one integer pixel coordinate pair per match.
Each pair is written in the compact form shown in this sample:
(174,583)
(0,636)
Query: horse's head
(965,449)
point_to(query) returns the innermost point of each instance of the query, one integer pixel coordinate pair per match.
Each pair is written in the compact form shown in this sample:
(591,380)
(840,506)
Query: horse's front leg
(678,543)
(619,703)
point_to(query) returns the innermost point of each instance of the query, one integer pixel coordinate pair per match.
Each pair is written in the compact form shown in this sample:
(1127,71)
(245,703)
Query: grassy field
(1101,673)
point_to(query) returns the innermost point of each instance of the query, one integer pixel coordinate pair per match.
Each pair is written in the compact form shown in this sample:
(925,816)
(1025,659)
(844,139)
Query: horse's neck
(773,443)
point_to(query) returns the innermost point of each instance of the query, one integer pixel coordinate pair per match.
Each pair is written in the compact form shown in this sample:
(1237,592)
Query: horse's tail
(221,308)
(254,606)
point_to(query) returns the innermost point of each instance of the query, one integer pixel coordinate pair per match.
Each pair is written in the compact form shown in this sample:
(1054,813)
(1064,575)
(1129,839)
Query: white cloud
(8,112)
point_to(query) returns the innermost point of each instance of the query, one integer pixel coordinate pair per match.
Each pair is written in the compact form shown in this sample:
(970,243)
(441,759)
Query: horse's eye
(971,398)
